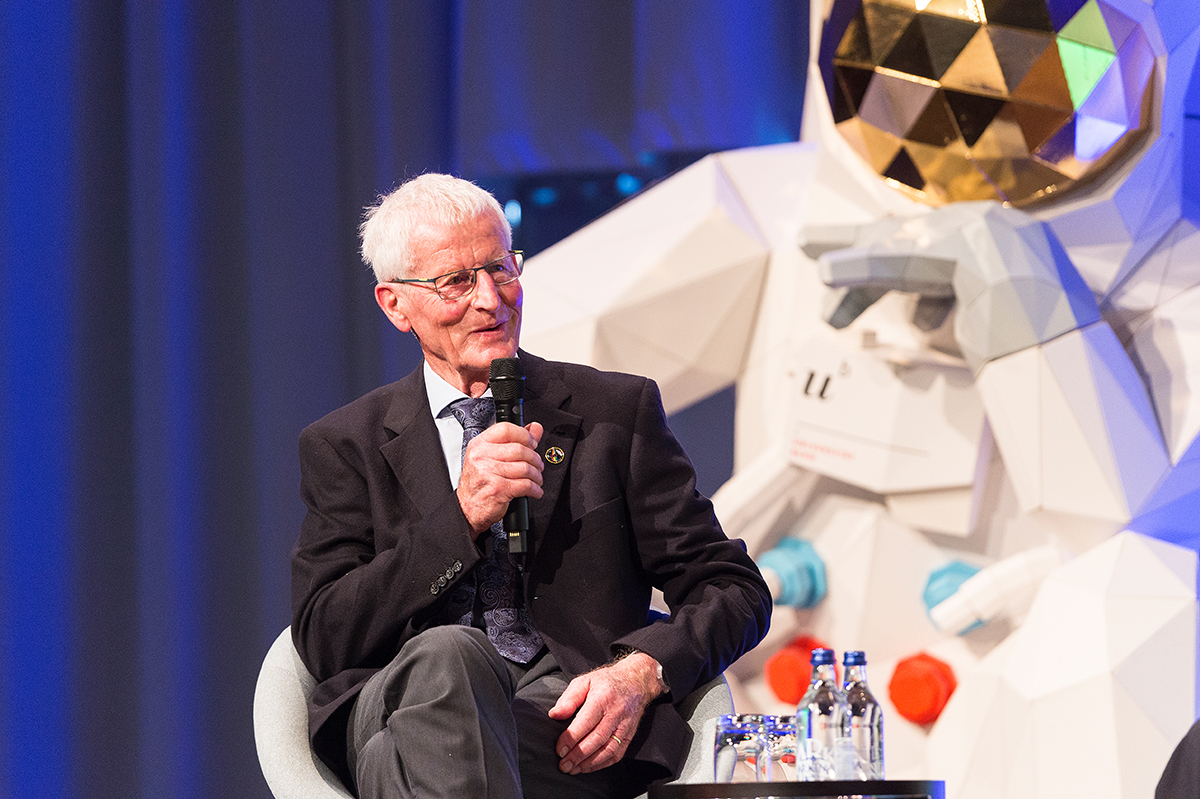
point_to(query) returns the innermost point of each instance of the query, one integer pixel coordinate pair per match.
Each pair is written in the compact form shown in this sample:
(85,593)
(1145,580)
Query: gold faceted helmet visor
(1010,100)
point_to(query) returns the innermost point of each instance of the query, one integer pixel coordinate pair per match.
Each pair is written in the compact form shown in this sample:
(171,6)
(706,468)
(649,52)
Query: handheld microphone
(506,378)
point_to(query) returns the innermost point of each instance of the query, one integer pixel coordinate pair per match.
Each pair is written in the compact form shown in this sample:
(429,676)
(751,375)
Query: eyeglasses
(458,284)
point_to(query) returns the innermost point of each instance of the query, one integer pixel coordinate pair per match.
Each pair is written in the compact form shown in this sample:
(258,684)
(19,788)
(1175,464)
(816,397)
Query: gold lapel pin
(555,455)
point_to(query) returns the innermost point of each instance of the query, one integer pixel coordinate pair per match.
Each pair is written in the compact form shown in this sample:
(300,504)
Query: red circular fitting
(920,688)
(788,671)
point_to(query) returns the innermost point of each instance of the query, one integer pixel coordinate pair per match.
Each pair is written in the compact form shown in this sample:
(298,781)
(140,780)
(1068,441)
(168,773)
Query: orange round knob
(920,688)
(788,671)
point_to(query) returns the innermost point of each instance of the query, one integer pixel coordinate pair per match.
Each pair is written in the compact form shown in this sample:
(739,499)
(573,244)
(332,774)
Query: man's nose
(486,296)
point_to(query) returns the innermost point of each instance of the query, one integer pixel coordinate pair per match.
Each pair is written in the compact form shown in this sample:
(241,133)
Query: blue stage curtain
(180,294)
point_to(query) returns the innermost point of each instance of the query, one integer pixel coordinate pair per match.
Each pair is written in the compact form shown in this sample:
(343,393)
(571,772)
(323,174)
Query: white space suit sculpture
(963,319)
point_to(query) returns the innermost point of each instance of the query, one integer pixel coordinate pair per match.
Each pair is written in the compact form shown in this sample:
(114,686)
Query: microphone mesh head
(506,376)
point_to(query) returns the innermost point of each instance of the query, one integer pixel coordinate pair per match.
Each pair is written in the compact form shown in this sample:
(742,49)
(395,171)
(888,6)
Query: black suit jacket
(384,543)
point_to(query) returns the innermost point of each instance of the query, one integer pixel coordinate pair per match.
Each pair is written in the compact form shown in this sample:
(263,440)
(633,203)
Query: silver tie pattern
(498,583)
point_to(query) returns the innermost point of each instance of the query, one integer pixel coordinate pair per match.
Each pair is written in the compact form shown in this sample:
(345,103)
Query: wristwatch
(663,688)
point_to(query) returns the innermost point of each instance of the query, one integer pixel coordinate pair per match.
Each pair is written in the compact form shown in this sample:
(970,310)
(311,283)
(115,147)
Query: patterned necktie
(498,583)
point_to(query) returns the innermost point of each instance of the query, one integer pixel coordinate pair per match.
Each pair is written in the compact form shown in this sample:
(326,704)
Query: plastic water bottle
(822,720)
(866,719)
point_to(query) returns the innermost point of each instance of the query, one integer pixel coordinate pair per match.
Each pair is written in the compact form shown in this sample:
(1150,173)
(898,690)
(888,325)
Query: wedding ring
(618,740)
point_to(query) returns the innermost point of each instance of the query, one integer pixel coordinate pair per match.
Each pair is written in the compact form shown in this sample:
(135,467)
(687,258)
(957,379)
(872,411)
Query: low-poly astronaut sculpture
(963,319)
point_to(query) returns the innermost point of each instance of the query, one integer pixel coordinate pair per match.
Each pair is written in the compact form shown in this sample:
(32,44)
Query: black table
(909,789)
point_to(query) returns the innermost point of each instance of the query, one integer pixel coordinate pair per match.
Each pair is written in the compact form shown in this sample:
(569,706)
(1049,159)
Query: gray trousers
(450,717)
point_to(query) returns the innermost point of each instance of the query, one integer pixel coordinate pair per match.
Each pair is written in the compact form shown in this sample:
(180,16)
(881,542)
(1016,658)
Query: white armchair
(292,770)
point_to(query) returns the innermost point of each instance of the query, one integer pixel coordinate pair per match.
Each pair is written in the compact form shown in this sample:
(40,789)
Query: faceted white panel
(1173,268)
(1171,512)
(1166,344)
(666,285)
(1143,749)
(1014,287)
(1108,232)
(1164,654)
(947,510)
(1069,694)
(973,758)
(775,183)
(767,493)
(1011,392)
(1056,721)
(1079,436)
(1112,406)
(691,338)
(877,568)
(860,420)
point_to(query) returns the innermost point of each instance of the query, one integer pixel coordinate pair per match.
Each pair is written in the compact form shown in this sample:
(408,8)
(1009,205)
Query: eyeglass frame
(430,283)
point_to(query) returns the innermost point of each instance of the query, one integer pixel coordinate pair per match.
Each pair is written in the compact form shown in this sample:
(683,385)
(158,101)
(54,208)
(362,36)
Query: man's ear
(387,295)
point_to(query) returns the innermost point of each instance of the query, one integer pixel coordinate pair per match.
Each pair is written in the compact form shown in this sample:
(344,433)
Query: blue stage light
(544,195)
(512,211)
(628,184)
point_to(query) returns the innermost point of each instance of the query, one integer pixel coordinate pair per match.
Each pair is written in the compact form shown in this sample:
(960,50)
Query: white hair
(430,200)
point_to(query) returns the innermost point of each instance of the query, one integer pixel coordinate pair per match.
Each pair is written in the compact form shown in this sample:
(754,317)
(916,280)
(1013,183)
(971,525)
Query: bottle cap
(855,658)
(822,657)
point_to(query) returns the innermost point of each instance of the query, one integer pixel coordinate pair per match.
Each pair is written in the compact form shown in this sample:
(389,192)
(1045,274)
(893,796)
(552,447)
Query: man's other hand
(608,704)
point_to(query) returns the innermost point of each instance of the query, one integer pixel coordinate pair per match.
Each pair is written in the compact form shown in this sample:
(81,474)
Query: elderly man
(446,666)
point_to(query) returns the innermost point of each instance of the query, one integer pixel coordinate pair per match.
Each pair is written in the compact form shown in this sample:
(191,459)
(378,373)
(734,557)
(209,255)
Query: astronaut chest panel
(871,422)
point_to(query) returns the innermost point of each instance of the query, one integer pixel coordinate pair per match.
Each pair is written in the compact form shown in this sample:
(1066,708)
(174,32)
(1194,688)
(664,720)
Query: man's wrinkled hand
(499,464)
(608,704)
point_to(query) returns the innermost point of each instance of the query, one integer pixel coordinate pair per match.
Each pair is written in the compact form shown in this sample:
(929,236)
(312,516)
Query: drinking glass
(741,753)
(780,762)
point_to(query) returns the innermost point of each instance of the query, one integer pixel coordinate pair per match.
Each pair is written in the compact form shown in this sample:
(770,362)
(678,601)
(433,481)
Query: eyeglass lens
(457,284)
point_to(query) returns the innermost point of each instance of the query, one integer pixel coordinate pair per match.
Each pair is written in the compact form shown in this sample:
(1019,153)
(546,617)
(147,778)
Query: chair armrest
(281,696)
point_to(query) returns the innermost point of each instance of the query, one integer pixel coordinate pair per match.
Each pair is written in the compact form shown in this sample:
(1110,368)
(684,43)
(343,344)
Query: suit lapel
(545,394)
(415,453)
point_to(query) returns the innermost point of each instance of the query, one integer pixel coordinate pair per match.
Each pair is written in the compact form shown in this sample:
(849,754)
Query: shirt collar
(440,393)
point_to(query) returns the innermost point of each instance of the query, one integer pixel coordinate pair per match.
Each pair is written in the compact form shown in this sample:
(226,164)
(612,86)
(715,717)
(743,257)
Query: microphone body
(506,378)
